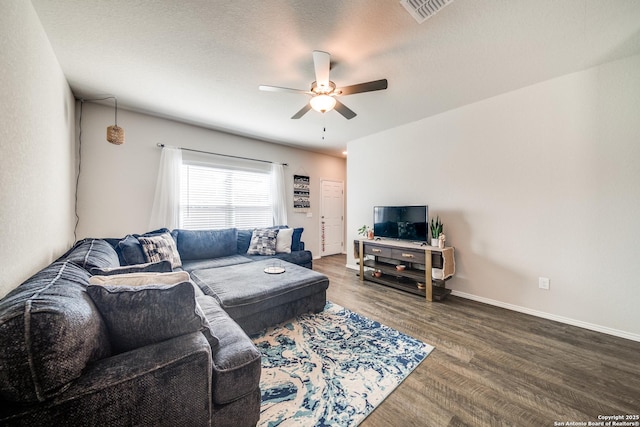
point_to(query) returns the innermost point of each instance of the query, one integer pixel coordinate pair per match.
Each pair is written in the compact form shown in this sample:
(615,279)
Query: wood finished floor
(492,366)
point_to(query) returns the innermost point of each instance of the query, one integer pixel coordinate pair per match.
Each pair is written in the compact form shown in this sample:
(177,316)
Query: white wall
(37,160)
(542,181)
(117,183)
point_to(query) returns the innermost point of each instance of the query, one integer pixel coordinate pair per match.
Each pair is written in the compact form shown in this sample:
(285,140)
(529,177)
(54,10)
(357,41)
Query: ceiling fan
(323,91)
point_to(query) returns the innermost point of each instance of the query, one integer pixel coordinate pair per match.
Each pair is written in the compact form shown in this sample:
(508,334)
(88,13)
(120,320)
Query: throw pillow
(161,247)
(296,244)
(143,315)
(283,240)
(141,279)
(129,248)
(263,242)
(244,240)
(163,266)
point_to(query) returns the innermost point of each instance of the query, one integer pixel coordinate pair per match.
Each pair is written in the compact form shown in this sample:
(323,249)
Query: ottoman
(256,299)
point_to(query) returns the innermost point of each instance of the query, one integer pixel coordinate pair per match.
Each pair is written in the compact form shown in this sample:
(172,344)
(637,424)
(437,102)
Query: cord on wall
(82,101)
(75,227)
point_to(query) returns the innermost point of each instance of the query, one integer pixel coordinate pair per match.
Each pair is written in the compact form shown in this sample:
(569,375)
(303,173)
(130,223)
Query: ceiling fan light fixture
(322,103)
(323,91)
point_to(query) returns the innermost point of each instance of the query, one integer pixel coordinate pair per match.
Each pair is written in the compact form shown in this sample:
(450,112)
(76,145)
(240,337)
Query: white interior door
(331,217)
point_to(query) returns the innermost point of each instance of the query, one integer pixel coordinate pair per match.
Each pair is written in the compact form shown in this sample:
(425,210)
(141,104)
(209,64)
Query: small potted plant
(366,231)
(436,230)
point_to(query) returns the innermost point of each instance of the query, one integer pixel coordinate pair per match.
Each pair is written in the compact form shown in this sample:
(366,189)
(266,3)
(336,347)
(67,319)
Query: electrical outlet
(543,283)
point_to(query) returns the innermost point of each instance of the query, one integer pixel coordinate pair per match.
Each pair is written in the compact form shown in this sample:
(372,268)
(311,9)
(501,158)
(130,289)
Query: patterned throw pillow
(263,242)
(161,247)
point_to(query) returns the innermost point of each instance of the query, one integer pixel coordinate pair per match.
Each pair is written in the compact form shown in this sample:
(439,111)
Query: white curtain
(278,194)
(166,202)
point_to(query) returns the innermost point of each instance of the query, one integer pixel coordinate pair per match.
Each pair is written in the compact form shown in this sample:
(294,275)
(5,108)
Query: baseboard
(544,315)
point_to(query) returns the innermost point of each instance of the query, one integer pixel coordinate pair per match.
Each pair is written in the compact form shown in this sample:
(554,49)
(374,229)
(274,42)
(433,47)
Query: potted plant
(436,229)
(366,231)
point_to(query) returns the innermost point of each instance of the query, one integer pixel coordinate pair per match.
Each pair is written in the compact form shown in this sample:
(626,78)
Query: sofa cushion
(263,242)
(301,258)
(50,330)
(130,250)
(237,363)
(204,244)
(197,264)
(137,316)
(93,253)
(163,266)
(160,247)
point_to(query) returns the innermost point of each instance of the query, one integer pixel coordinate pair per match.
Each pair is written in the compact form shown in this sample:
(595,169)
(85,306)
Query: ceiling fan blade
(344,110)
(363,87)
(321,64)
(283,89)
(302,111)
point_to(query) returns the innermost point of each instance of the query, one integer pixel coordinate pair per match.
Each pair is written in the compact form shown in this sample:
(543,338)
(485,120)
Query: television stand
(384,255)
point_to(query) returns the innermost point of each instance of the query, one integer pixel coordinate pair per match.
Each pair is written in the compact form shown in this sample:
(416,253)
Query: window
(217,197)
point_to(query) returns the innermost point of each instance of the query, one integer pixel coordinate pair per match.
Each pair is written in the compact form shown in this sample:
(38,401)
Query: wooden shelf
(417,260)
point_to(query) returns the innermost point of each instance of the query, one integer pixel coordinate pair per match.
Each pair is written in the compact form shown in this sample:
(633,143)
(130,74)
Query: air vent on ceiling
(421,10)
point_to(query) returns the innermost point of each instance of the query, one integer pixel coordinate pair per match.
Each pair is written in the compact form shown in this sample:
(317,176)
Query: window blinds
(214,197)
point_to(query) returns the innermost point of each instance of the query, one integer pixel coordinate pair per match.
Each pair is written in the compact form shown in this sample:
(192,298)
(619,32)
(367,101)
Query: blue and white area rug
(331,368)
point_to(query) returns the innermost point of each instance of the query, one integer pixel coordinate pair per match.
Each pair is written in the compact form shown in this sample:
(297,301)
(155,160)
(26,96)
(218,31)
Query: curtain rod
(161,145)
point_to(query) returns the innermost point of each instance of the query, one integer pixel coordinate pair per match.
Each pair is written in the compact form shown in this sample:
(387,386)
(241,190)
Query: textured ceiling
(201,62)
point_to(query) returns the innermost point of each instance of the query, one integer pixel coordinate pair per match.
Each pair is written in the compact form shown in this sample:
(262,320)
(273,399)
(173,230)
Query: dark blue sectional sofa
(80,354)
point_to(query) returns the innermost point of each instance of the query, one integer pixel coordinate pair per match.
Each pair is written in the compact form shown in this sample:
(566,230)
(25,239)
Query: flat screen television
(401,222)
